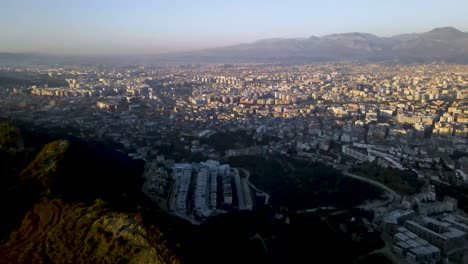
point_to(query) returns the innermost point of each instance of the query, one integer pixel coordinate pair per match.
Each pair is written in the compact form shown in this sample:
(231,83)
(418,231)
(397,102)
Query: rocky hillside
(47,165)
(58,232)
(49,222)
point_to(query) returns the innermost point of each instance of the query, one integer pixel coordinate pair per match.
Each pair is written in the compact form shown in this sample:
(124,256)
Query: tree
(9,135)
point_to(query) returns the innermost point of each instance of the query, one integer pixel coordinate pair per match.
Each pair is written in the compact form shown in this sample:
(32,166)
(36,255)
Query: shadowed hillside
(58,232)
(53,214)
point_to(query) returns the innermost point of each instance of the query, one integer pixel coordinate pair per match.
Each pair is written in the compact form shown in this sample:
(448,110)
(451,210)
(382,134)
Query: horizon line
(153,53)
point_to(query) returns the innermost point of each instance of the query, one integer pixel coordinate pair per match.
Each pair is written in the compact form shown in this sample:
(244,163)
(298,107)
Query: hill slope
(50,219)
(58,232)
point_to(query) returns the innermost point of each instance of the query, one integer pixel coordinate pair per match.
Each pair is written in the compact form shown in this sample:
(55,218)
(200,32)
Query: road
(375,183)
(247,176)
(393,196)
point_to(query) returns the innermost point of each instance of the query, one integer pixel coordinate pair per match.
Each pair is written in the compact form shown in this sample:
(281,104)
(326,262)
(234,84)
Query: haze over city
(152,27)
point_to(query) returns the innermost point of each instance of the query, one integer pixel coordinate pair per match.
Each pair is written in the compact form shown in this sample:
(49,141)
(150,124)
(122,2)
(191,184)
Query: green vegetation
(333,240)
(13,201)
(403,182)
(15,79)
(300,184)
(12,161)
(307,239)
(223,141)
(9,135)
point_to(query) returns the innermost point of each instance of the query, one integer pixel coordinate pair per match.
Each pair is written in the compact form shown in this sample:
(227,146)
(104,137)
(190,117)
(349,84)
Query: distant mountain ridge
(445,44)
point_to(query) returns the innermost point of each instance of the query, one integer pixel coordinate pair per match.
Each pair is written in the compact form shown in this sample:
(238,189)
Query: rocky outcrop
(57,232)
(26,243)
(74,229)
(47,165)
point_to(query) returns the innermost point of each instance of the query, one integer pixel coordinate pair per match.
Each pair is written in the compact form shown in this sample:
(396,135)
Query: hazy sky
(155,26)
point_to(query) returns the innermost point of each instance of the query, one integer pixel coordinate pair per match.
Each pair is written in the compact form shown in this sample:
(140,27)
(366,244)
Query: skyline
(152,27)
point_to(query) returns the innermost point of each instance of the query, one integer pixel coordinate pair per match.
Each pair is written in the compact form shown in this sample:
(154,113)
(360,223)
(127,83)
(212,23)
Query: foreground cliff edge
(57,231)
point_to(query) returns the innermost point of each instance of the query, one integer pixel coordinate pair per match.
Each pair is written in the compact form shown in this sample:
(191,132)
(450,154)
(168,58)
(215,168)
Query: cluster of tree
(258,237)
(9,135)
(458,192)
(14,79)
(337,239)
(404,182)
(223,141)
(300,184)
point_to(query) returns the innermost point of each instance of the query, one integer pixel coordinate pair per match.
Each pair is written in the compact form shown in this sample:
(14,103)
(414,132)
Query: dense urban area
(217,139)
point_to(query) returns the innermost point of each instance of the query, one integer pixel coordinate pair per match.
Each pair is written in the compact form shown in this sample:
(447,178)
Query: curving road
(375,183)
(393,195)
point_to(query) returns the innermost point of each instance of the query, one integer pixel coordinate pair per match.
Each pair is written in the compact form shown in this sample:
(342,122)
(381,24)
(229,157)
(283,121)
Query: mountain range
(445,44)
